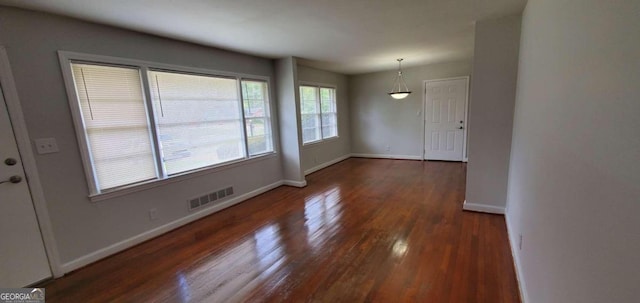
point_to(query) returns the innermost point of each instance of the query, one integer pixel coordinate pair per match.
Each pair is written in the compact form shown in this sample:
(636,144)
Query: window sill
(177,178)
(316,143)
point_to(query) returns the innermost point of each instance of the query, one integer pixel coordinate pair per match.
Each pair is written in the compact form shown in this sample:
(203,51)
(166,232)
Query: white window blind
(115,124)
(318,113)
(255,97)
(198,119)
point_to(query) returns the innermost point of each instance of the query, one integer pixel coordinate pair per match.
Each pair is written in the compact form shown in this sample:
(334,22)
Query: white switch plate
(46,145)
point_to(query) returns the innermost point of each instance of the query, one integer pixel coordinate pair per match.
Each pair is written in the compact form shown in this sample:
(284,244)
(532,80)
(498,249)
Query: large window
(139,123)
(318,113)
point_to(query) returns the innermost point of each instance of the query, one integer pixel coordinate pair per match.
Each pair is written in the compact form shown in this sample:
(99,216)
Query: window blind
(115,124)
(198,120)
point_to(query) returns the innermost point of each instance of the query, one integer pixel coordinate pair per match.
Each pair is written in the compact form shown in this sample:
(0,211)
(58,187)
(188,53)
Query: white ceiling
(347,36)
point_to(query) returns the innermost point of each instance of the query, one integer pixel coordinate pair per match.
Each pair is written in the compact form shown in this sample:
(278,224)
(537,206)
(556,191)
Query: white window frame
(66,58)
(268,116)
(319,106)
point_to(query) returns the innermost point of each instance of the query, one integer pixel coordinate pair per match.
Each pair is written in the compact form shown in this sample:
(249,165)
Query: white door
(23,260)
(444,119)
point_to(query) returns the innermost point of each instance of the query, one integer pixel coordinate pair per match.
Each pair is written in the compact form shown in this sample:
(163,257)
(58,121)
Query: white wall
(377,120)
(574,181)
(493,94)
(83,228)
(320,154)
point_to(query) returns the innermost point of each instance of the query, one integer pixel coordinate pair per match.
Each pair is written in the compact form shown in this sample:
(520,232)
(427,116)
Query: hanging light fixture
(399,90)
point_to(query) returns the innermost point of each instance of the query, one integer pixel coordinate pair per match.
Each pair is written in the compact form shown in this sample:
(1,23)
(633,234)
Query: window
(138,123)
(329,113)
(256,117)
(318,113)
(198,120)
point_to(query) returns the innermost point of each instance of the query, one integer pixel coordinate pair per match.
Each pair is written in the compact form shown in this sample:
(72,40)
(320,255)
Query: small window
(318,112)
(329,113)
(255,100)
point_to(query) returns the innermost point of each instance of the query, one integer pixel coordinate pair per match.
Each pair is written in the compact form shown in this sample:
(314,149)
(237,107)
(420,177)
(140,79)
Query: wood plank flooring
(363,230)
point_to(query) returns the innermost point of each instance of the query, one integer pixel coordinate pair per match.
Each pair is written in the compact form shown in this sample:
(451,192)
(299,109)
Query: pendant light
(399,90)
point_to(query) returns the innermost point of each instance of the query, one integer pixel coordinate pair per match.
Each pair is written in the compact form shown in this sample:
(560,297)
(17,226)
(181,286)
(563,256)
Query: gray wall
(377,120)
(288,108)
(81,227)
(490,119)
(574,181)
(315,155)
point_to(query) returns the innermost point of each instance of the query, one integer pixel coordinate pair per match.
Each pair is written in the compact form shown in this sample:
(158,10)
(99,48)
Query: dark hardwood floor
(363,230)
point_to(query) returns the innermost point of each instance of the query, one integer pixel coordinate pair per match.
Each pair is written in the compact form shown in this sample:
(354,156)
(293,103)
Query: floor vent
(210,198)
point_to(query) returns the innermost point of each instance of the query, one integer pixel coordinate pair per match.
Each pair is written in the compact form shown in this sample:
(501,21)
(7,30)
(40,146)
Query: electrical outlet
(520,242)
(46,145)
(388,147)
(153,214)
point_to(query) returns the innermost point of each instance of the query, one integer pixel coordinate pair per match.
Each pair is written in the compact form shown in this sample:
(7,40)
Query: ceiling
(345,36)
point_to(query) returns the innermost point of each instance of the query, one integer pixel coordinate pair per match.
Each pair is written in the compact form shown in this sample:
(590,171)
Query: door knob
(12,179)
(10,161)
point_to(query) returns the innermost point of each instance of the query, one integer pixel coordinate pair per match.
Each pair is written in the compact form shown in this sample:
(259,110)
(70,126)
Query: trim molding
(29,162)
(385,156)
(513,243)
(135,240)
(326,164)
(483,208)
(294,183)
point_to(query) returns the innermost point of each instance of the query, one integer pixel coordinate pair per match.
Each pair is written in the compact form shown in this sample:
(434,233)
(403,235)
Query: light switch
(46,145)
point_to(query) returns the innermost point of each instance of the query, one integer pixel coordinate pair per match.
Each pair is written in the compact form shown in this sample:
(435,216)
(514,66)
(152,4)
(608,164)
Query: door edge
(28,161)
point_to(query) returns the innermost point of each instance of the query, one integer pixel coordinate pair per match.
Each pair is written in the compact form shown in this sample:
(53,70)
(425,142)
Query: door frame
(28,162)
(465,156)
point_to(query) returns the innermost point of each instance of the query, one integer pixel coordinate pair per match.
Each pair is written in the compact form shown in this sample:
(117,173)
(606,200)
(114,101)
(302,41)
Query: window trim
(335,97)
(95,194)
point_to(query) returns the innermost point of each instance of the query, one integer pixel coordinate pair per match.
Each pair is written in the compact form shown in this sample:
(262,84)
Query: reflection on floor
(362,230)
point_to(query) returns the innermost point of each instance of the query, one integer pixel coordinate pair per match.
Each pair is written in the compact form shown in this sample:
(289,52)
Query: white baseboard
(135,240)
(294,183)
(513,243)
(483,208)
(326,164)
(385,156)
